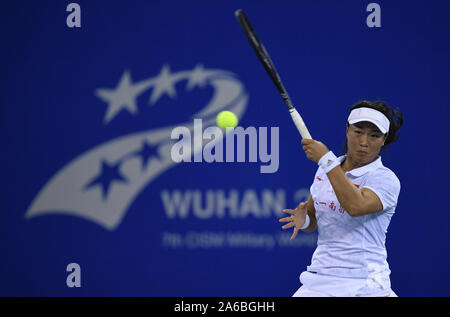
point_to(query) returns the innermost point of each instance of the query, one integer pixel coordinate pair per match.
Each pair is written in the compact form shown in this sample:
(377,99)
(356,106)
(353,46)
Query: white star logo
(197,78)
(163,84)
(122,97)
(102,183)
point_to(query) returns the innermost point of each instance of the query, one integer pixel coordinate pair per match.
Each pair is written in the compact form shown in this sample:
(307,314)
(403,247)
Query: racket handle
(301,127)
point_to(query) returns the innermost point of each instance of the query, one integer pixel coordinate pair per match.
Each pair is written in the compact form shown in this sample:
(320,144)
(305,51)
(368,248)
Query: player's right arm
(297,217)
(312,215)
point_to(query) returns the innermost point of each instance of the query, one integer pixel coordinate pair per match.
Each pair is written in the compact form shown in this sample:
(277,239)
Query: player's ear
(385,138)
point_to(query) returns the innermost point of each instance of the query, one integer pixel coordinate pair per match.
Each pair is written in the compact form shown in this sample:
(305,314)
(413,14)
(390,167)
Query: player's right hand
(296,220)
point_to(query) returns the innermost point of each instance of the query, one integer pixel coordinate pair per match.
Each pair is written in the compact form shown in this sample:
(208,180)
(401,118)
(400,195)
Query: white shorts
(319,285)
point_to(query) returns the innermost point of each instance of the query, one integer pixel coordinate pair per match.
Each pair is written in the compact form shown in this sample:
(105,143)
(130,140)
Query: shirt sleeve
(386,186)
(318,177)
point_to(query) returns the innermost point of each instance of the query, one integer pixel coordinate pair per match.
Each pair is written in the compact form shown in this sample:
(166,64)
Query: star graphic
(122,97)
(164,84)
(197,77)
(146,152)
(109,173)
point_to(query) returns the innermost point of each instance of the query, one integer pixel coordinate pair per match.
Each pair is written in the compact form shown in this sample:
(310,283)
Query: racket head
(261,52)
(267,63)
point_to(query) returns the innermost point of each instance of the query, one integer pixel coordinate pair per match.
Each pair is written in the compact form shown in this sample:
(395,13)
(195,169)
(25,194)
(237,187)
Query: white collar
(357,172)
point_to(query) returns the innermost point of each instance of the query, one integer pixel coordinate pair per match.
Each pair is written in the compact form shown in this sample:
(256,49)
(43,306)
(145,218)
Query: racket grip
(301,127)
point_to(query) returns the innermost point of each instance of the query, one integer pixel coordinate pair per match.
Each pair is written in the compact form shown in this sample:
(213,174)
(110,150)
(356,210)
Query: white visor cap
(371,115)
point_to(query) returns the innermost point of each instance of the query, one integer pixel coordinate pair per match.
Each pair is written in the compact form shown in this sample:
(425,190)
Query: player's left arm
(355,201)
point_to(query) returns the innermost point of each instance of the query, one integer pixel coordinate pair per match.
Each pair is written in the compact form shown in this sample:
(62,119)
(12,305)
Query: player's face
(364,142)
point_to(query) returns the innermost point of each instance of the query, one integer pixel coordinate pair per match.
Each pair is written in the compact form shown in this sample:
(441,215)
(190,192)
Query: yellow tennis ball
(226,119)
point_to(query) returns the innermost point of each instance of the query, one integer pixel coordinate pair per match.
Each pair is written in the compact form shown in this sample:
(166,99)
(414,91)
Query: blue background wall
(52,116)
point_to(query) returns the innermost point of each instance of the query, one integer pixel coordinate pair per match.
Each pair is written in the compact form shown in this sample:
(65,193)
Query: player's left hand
(314,149)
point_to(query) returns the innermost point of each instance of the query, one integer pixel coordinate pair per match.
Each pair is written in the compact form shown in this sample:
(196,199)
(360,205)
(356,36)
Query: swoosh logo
(101,184)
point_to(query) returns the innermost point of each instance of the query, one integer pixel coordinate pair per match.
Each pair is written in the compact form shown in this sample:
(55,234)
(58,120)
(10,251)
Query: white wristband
(328,162)
(306,224)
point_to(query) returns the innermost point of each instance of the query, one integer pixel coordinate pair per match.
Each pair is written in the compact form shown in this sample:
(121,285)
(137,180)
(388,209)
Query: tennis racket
(271,71)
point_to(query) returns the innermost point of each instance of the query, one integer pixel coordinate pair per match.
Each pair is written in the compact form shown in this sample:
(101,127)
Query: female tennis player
(353,198)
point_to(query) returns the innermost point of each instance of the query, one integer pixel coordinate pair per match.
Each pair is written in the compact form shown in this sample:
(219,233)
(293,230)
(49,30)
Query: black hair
(395,117)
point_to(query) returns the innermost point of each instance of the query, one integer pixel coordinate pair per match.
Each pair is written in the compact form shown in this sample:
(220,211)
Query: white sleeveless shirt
(354,247)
